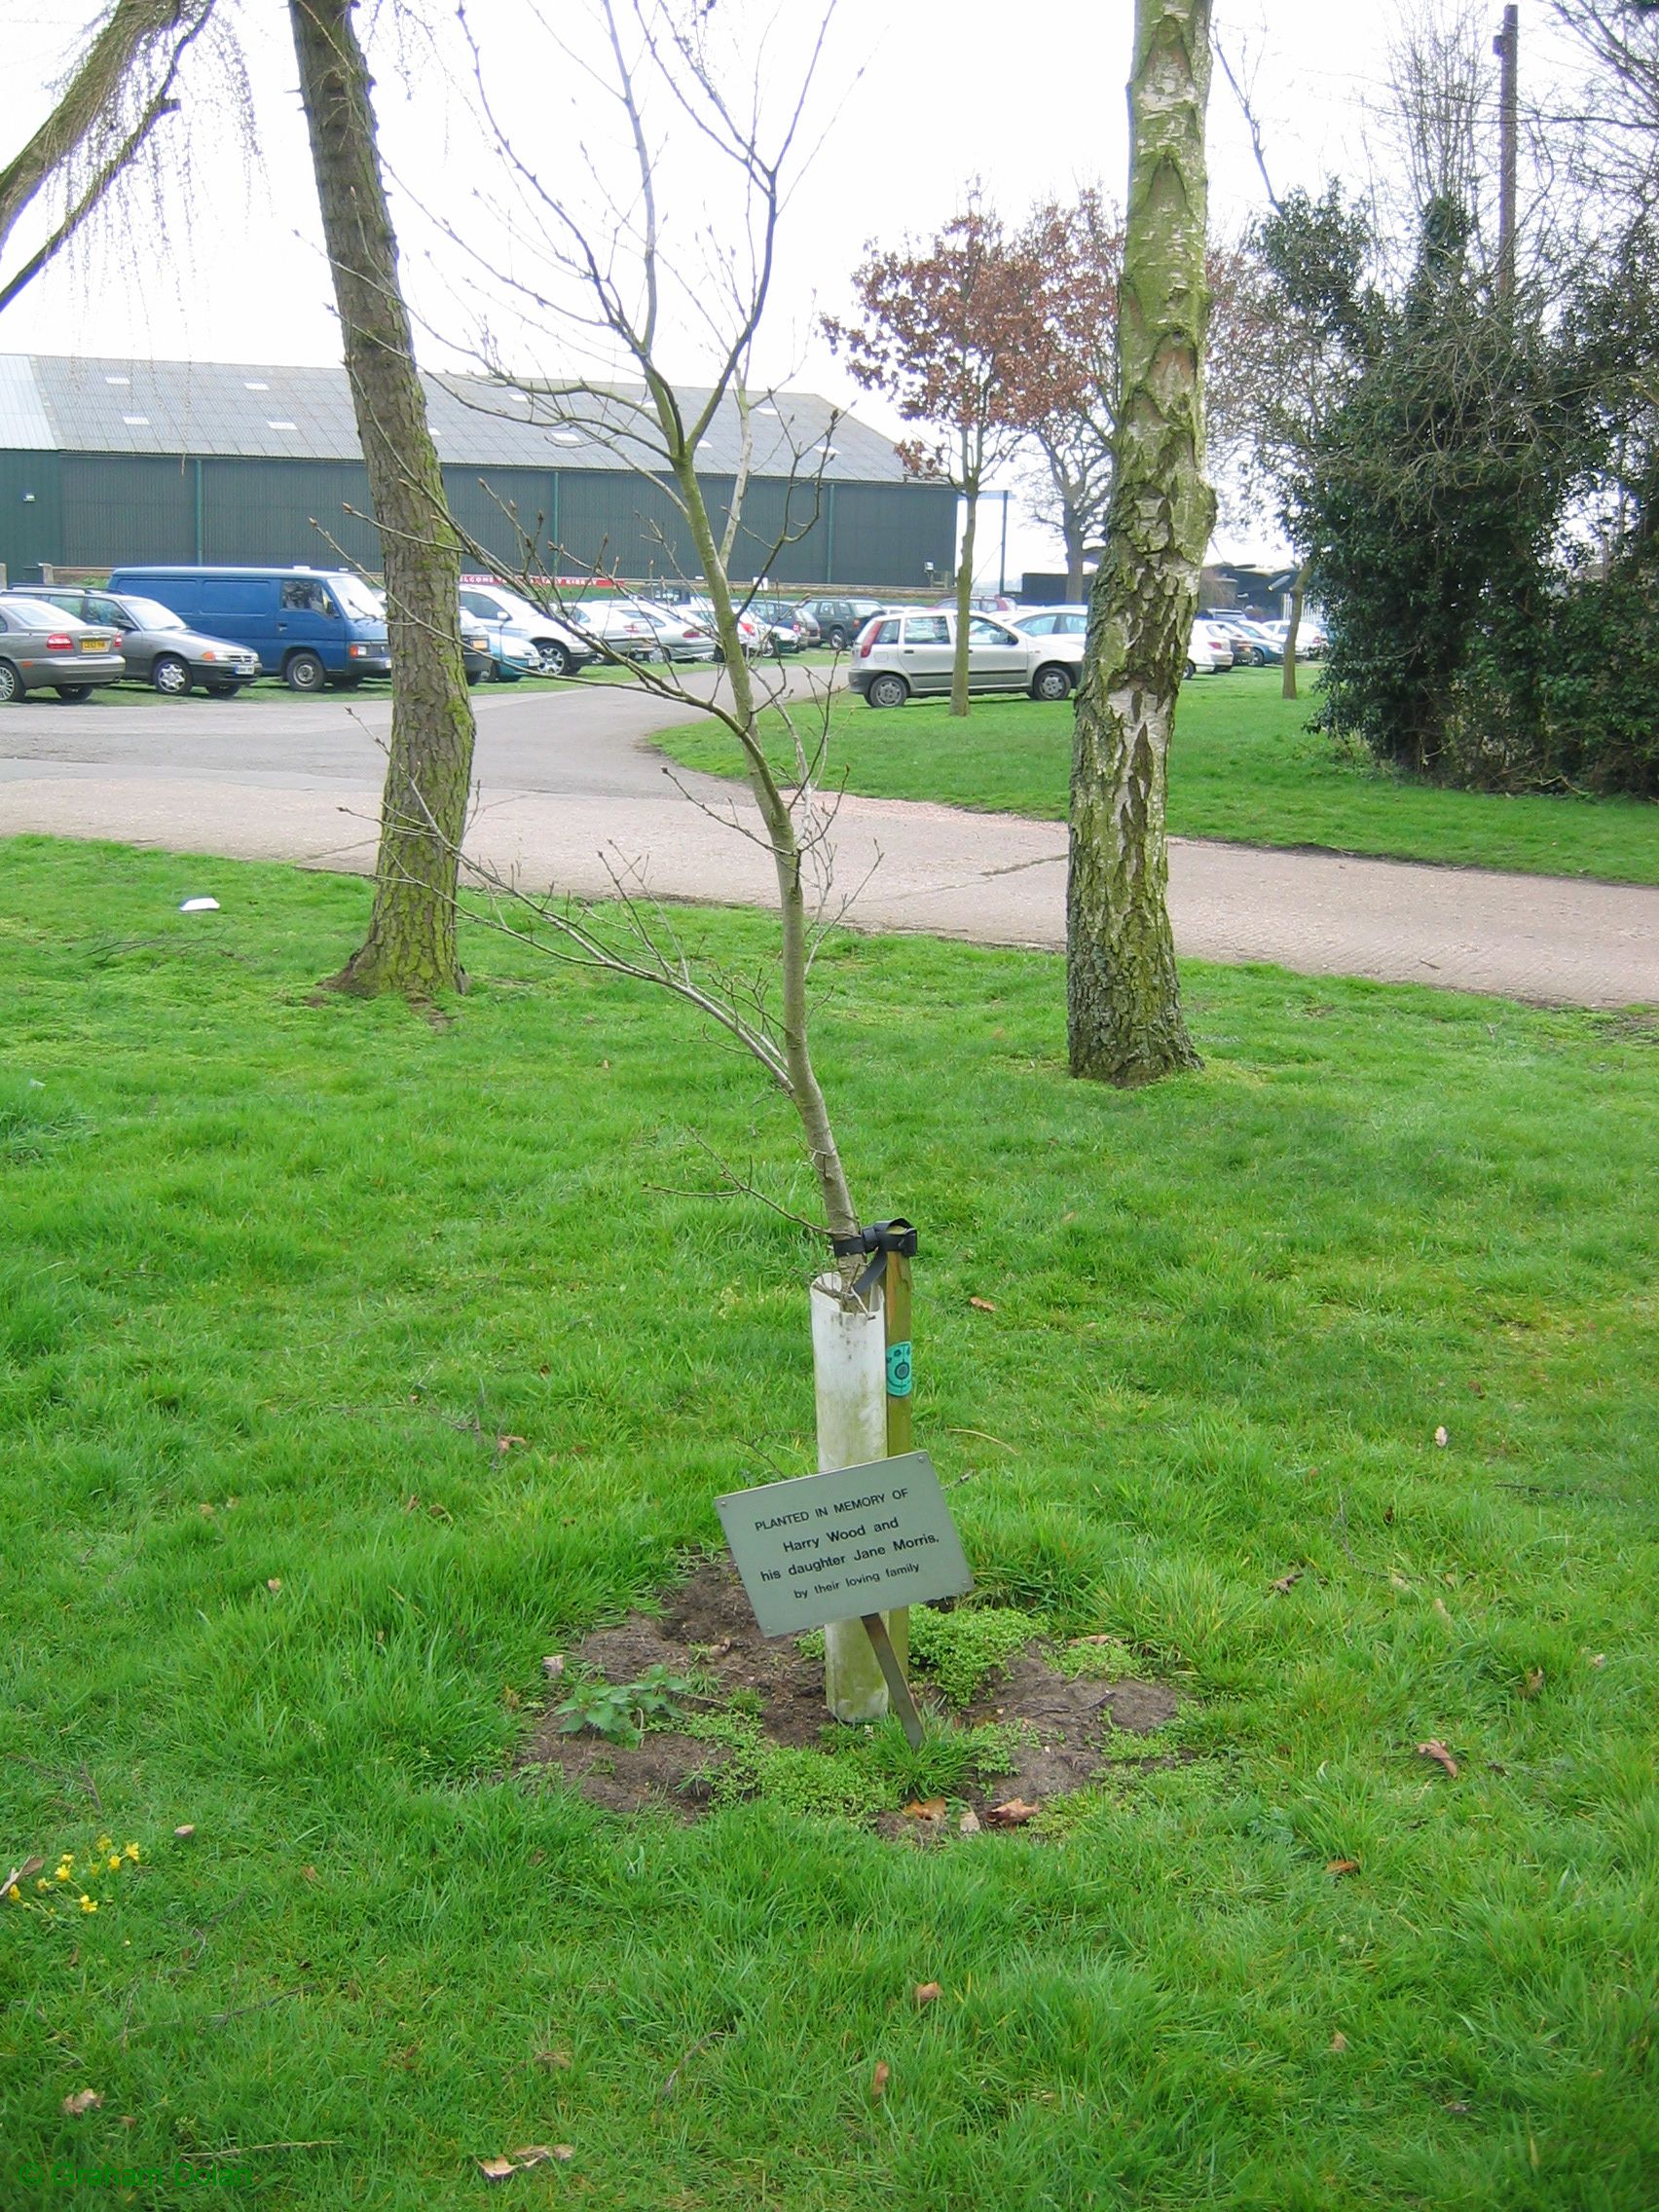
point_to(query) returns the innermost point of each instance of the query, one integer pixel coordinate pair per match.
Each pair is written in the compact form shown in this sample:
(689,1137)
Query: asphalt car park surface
(569,787)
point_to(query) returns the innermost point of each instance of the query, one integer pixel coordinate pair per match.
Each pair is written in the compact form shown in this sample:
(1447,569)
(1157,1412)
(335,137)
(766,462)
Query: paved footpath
(570,788)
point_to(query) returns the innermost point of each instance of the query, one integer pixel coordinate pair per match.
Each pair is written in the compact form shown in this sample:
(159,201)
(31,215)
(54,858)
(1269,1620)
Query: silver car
(905,654)
(158,648)
(44,650)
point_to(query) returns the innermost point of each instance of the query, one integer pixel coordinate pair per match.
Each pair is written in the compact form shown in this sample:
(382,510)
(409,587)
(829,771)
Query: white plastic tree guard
(849,1360)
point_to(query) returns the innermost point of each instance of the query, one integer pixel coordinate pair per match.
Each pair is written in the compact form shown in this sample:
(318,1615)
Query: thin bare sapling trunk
(1287,689)
(965,601)
(410,943)
(1123,1006)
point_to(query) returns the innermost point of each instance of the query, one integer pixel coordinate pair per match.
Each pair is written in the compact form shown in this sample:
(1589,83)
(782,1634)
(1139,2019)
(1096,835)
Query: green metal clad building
(105,461)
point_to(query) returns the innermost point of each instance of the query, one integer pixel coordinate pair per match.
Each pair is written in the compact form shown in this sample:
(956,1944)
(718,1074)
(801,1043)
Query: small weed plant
(621,1712)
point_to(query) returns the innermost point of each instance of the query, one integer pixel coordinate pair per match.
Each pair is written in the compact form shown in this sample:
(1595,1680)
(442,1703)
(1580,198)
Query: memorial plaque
(835,1547)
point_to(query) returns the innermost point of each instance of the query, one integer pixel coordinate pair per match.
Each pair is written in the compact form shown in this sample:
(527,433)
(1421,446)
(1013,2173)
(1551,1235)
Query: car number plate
(94,645)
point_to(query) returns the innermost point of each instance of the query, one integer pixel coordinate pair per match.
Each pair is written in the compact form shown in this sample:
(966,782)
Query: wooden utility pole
(1507,47)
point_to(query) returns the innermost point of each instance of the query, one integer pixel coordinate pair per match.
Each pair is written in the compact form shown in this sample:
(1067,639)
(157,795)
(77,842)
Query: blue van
(309,626)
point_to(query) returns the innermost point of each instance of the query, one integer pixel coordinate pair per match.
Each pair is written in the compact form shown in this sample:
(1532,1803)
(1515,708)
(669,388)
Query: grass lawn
(348,1365)
(1241,767)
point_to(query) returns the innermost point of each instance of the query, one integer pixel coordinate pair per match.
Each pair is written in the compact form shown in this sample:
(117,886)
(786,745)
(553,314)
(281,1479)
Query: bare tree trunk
(1123,1004)
(805,1089)
(1287,689)
(964,604)
(411,944)
(1072,532)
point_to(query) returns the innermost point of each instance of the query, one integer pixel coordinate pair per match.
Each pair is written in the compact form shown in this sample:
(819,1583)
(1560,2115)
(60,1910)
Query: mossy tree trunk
(411,942)
(1124,1006)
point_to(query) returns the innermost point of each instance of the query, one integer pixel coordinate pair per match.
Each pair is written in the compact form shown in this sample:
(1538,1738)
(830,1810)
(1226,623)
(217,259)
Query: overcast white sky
(915,100)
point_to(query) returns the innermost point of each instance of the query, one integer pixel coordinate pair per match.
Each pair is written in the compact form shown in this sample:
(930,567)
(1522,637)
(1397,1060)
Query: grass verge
(1243,766)
(348,1364)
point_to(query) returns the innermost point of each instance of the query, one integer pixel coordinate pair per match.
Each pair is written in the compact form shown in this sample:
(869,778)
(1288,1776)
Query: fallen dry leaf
(1287,1582)
(506,1443)
(184,1833)
(1014,1812)
(553,1666)
(1532,1682)
(880,2080)
(982,1306)
(275,1584)
(1341,1866)
(969,1823)
(1598,1658)
(557,2058)
(83,2100)
(496,2169)
(1399,1581)
(308,1873)
(927,1991)
(929,1808)
(1436,1751)
(1441,1438)
(26,1872)
(1339,2042)
(541,2153)
(1440,1608)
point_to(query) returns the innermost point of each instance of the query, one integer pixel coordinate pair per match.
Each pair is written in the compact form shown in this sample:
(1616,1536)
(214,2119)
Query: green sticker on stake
(900,1373)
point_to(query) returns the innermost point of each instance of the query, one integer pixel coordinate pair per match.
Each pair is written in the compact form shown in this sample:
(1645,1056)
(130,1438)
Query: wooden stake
(896,1312)
(898,1688)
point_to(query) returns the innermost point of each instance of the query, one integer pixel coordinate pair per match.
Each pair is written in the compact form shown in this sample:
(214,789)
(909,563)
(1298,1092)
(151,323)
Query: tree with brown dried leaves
(943,333)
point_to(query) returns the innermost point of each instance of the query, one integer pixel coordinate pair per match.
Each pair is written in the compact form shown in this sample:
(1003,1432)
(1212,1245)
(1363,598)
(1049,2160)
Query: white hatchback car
(906,653)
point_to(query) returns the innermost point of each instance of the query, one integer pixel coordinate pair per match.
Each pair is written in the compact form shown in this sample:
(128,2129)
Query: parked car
(1221,654)
(1051,621)
(623,630)
(479,650)
(750,628)
(558,642)
(1200,652)
(839,621)
(982,603)
(44,650)
(1251,640)
(680,633)
(157,645)
(309,626)
(1311,642)
(907,653)
(787,630)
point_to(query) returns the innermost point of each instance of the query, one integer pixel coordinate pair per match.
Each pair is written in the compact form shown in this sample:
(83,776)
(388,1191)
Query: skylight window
(256,387)
(118,379)
(137,422)
(569,438)
(280,423)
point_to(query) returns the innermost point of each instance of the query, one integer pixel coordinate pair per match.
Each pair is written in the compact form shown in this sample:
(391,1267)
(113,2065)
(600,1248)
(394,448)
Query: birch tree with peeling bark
(123,89)
(410,943)
(1124,1005)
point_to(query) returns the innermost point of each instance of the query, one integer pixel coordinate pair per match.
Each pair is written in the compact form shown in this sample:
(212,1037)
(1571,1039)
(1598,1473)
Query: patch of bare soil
(706,1627)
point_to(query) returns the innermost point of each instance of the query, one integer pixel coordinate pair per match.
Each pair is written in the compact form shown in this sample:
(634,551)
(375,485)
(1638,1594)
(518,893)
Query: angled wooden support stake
(898,1688)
